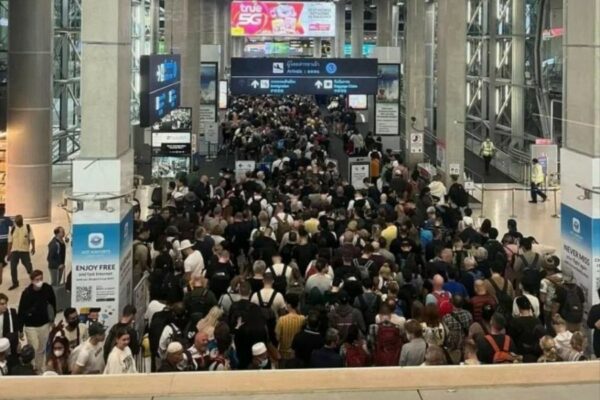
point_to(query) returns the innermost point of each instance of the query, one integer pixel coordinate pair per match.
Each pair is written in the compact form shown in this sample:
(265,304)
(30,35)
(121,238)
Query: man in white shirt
(193,260)
(88,357)
(321,279)
(267,293)
(72,329)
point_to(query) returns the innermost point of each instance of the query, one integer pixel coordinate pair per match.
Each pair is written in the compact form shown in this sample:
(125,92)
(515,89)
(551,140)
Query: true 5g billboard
(282,18)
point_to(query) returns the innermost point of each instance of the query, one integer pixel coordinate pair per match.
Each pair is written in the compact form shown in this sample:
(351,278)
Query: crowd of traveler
(290,266)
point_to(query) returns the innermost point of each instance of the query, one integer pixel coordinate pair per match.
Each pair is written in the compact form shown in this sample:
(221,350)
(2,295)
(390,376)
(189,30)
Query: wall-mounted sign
(160,86)
(171,153)
(223,95)
(280,76)
(387,108)
(282,18)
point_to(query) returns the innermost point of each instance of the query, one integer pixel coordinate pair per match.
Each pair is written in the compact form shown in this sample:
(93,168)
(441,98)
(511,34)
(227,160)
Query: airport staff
(537,179)
(487,152)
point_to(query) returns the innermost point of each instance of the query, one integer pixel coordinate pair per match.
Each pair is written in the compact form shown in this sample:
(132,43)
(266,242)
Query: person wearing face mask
(21,246)
(260,357)
(71,328)
(58,359)
(37,309)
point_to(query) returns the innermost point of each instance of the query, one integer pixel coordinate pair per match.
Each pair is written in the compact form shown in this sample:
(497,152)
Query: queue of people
(290,266)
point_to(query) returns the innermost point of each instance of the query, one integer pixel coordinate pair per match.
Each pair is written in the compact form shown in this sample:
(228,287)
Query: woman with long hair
(58,359)
(210,321)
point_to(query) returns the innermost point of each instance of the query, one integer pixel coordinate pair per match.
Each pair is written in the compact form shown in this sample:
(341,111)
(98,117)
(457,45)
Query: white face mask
(38,284)
(263,363)
(59,353)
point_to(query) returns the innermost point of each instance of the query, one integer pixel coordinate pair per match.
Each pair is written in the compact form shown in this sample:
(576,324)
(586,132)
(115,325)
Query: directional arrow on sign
(255,84)
(318,84)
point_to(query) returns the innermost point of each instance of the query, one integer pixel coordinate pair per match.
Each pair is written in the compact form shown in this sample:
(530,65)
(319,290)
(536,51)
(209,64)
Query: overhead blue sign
(160,86)
(279,76)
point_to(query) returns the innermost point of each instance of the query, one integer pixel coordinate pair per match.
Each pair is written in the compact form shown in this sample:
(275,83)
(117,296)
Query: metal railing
(554,190)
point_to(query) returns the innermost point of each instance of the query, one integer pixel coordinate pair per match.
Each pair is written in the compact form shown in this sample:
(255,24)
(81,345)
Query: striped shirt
(287,327)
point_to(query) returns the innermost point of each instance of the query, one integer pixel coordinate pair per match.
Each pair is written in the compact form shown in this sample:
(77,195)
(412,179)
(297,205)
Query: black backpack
(256,206)
(196,301)
(369,309)
(572,308)
(280,281)
(265,308)
(505,302)
(159,320)
(531,273)
(459,195)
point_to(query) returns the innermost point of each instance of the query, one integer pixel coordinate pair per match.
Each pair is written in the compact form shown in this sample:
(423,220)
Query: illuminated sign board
(280,76)
(282,18)
(160,87)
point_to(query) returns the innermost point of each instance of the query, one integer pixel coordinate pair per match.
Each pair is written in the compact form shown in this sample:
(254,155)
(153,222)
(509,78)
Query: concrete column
(580,156)
(155,18)
(340,28)
(318,53)
(517,100)
(219,35)
(182,19)
(29,110)
(208,23)
(395,30)
(385,27)
(451,100)
(414,73)
(226,50)
(237,46)
(357,28)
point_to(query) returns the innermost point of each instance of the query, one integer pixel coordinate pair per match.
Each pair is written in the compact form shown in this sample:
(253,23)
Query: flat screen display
(357,101)
(223,95)
(282,18)
(160,87)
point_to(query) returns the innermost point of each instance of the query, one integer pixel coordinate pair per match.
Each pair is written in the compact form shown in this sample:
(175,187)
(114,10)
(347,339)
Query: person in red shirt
(481,299)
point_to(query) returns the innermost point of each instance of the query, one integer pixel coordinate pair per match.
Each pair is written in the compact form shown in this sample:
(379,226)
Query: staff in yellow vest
(537,180)
(488,150)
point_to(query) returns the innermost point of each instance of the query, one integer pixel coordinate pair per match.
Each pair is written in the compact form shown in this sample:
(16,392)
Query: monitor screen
(357,101)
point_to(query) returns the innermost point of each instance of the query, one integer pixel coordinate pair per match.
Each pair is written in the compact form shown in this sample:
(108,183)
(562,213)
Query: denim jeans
(56,276)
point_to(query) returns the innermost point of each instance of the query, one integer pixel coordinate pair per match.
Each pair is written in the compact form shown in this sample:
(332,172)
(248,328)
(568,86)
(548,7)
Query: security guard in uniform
(537,179)
(487,152)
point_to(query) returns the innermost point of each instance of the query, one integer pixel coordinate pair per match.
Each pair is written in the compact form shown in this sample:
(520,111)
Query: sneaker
(13,287)
(533,202)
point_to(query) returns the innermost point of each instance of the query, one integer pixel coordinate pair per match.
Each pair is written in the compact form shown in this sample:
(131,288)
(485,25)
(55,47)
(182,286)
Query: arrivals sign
(282,18)
(310,76)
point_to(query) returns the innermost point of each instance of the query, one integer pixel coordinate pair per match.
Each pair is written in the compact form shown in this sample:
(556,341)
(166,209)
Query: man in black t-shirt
(485,352)
(309,339)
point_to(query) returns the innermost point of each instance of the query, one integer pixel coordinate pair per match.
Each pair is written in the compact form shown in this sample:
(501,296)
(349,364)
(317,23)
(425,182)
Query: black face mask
(73,324)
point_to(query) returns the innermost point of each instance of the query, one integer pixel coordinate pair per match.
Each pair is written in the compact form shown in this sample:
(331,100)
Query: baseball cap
(96,329)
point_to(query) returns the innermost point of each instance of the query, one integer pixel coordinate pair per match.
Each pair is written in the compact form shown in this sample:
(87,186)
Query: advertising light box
(282,18)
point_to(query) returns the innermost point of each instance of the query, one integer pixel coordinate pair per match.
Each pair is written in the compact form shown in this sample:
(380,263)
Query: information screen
(160,87)
(280,76)
(357,101)
(283,18)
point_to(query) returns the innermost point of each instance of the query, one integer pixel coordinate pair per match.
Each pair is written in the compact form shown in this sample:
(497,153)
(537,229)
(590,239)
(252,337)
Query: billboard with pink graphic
(282,18)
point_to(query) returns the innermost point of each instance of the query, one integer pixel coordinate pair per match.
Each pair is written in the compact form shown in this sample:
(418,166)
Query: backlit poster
(580,221)
(208,95)
(387,100)
(282,18)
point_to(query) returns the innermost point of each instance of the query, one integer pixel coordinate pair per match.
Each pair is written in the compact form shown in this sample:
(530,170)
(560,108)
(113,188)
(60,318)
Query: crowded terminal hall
(290,265)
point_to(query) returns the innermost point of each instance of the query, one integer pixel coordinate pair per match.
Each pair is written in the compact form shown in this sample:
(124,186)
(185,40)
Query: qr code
(83,293)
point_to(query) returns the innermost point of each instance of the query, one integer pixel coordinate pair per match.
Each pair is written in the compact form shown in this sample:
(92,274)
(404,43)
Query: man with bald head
(198,352)
(438,295)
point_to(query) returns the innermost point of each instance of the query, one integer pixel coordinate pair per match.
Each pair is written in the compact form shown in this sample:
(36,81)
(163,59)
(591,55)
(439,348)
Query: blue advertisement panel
(102,267)
(280,76)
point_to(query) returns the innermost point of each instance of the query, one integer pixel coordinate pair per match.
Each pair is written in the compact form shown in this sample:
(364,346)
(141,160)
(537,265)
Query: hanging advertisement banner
(282,18)
(580,221)
(102,267)
(387,101)
(209,82)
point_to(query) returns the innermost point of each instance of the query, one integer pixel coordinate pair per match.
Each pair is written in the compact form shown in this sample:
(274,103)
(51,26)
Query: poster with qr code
(102,267)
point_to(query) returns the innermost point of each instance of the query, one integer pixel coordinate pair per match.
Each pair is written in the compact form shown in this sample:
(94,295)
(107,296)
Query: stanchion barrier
(512,215)
(520,189)
(556,214)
